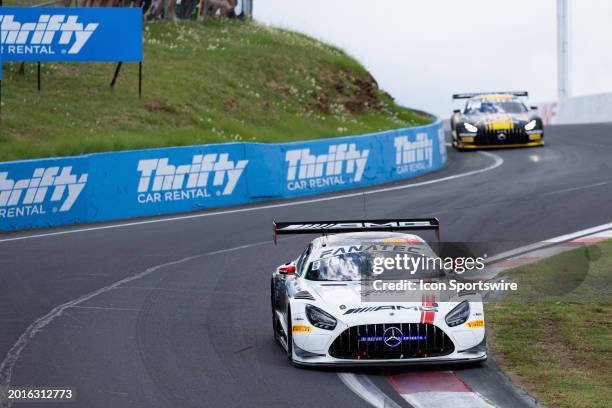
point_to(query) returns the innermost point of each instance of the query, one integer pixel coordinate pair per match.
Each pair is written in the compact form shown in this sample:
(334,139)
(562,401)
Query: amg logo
(36,37)
(432,308)
(158,175)
(413,156)
(340,159)
(359,225)
(33,191)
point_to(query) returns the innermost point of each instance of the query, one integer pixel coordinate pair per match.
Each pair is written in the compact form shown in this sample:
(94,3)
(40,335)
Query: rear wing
(330,227)
(471,95)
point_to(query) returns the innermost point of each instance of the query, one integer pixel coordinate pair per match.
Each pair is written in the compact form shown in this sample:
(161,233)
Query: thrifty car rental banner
(118,185)
(71,34)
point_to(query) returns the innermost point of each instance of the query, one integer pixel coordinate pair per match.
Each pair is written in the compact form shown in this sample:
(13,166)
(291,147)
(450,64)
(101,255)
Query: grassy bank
(554,337)
(223,81)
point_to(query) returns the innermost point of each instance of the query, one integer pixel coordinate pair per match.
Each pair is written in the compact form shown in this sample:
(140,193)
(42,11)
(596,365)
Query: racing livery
(322,313)
(493,120)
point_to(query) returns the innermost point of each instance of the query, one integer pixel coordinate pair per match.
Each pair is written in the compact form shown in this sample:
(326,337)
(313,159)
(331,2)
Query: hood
(344,300)
(504,120)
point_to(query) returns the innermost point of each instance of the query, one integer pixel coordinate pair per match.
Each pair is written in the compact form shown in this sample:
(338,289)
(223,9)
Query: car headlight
(319,318)
(531,125)
(470,128)
(459,314)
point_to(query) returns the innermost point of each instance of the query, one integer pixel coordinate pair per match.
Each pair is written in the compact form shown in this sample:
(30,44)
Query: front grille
(375,341)
(488,136)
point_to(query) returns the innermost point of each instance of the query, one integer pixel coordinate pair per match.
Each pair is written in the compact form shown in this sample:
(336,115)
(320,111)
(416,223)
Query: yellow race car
(494,120)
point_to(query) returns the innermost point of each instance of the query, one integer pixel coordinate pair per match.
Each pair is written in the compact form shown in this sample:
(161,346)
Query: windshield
(483,107)
(358,266)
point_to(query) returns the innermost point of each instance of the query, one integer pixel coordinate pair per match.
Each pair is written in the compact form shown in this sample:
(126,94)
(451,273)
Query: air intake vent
(391,341)
(304,295)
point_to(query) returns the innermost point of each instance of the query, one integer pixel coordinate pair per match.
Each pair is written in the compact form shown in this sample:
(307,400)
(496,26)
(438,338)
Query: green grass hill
(223,81)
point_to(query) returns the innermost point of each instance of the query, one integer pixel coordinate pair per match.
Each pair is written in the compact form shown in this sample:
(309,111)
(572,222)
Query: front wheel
(275,322)
(289,338)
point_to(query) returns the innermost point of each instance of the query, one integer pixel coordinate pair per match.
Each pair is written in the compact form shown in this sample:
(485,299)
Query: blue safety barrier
(71,34)
(119,185)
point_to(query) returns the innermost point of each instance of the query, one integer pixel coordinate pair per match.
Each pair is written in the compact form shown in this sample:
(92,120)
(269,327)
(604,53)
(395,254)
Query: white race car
(323,314)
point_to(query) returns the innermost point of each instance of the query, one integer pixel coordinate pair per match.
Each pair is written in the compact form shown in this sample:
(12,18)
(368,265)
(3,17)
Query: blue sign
(71,34)
(119,185)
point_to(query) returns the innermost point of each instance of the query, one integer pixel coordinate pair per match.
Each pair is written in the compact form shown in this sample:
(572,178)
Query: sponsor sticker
(475,324)
(301,328)
(402,241)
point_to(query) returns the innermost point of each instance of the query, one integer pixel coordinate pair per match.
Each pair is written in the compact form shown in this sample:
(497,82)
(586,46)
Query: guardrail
(118,185)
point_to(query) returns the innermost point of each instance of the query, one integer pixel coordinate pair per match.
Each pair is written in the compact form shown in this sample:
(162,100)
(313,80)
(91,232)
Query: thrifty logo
(40,37)
(189,180)
(306,170)
(26,196)
(413,156)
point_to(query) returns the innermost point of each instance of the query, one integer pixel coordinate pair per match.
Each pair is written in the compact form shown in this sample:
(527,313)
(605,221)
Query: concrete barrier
(118,185)
(581,109)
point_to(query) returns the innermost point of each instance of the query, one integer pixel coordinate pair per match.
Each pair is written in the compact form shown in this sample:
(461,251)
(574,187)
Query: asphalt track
(192,329)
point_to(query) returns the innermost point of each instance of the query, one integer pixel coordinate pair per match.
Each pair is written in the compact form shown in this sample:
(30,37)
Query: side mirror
(287,269)
(534,108)
(457,111)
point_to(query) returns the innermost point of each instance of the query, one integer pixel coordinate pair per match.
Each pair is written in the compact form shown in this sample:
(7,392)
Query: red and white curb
(361,385)
(545,249)
(436,389)
(442,389)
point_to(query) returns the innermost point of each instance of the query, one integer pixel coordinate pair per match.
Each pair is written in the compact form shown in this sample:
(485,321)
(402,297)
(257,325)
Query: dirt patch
(354,93)
(159,106)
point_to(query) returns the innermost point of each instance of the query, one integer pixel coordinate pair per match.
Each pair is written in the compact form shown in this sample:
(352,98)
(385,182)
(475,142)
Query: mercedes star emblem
(392,337)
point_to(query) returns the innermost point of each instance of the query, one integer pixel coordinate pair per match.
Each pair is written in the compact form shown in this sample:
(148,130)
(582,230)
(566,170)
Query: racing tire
(275,322)
(289,338)
(290,342)
(454,142)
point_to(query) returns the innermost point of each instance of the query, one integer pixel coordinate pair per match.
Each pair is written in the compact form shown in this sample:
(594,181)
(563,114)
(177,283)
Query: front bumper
(496,139)
(454,358)
(460,345)
(499,146)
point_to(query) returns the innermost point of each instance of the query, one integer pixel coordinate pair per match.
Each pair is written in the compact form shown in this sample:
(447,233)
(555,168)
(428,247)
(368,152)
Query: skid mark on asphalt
(436,389)
(578,188)
(121,309)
